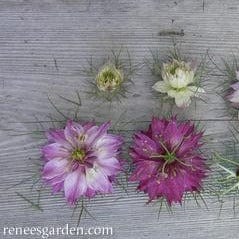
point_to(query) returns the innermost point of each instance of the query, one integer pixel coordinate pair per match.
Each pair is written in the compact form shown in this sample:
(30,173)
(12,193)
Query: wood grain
(43,46)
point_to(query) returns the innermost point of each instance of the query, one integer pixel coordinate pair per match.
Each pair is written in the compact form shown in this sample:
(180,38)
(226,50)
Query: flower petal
(72,132)
(54,168)
(182,102)
(110,166)
(235,86)
(145,146)
(108,140)
(54,173)
(56,136)
(161,86)
(94,133)
(234,97)
(97,180)
(54,150)
(75,186)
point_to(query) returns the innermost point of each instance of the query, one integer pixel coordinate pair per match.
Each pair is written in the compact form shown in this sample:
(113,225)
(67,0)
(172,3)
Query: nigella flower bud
(178,82)
(109,78)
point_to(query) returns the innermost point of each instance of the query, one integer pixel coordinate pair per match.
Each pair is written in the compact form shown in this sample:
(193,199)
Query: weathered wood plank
(34,33)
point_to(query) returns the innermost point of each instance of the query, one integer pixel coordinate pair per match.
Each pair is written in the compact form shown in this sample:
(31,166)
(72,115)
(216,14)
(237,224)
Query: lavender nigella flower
(233,95)
(81,160)
(167,161)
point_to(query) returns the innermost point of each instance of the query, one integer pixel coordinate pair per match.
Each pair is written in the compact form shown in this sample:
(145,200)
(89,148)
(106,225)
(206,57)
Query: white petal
(172,93)
(182,100)
(97,180)
(161,86)
(181,79)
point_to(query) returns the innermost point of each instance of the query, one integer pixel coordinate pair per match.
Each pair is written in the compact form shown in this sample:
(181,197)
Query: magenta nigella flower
(167,160)
(81,160)
(233,95)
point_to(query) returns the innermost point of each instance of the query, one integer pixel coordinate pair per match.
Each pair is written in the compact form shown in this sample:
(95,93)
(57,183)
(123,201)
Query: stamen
(183,163)
(78,155)
(163,168)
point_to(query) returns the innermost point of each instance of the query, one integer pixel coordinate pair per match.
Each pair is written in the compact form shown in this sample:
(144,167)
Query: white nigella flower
(178,82)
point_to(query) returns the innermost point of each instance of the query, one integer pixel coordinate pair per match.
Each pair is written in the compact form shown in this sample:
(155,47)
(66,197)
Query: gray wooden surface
(35,32)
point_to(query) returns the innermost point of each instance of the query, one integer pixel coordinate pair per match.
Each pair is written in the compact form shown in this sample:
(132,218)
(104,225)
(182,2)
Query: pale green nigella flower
(178,82)
(109,78)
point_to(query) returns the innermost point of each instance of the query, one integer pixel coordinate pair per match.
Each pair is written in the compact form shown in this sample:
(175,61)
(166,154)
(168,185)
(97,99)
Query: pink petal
(97,180)
(110,166)
(54,173)
(90,193)
(106,152)
(145,146)
(172,135)
(75,186)
(234,97)
(54,168)
(54,150)
(235,86)
(56,136)
(95,132)
(158,127)
(72,132)
(108,140)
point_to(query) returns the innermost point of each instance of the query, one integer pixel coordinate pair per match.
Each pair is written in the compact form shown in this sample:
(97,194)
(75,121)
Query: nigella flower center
(169,157)
(109,76)
(78,155)
(180,89)
(173,70)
